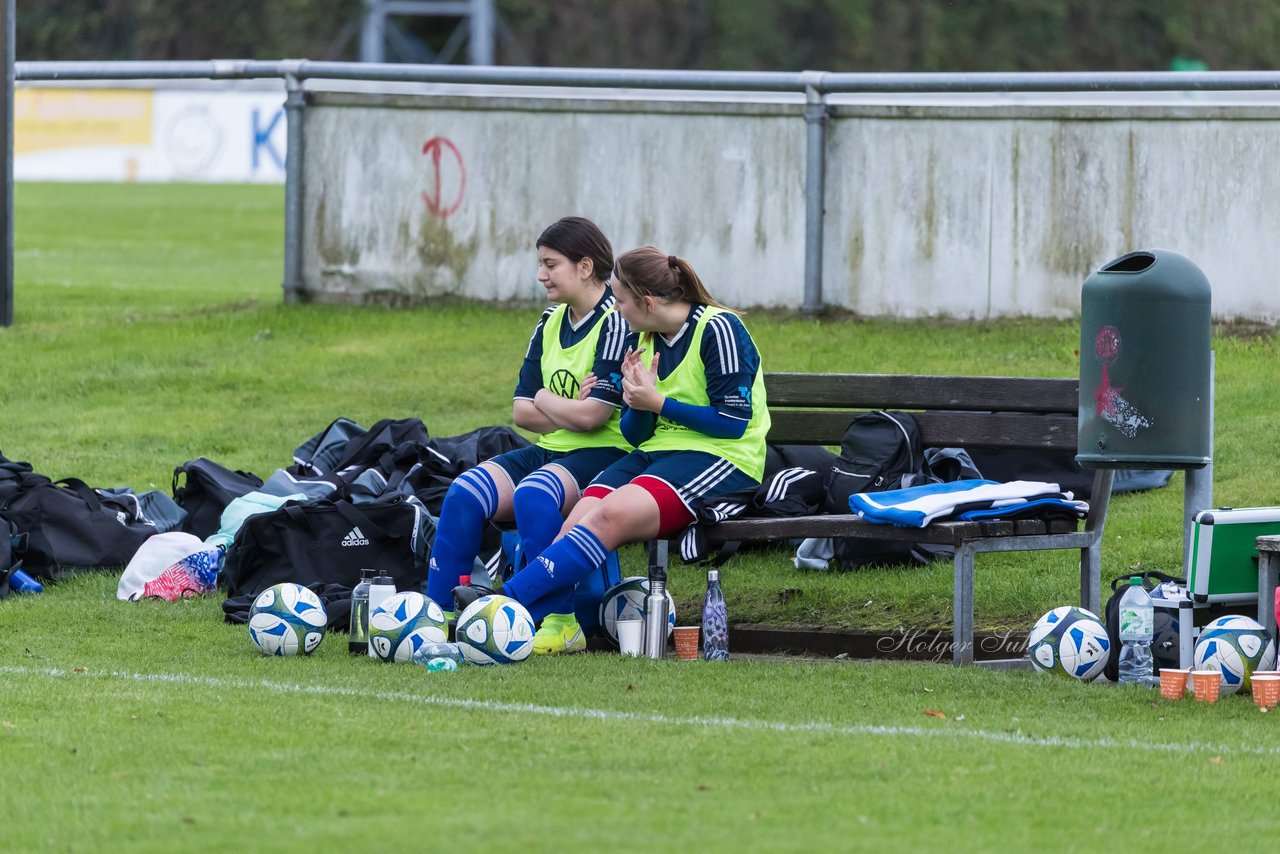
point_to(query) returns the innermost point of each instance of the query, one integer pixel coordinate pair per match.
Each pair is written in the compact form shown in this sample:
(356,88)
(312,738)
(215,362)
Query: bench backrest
(953,412)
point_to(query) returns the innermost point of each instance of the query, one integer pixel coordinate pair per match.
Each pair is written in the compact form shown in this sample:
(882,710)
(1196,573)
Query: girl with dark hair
(570,392)
(694,408)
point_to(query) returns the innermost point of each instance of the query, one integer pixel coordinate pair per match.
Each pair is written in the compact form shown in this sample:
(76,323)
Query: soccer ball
(403,623)
(495,630)
(1069,641)
(1235,647)
(625,601)
(287,619)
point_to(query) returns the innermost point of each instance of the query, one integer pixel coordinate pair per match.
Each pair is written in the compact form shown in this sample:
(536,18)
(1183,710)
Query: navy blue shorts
(694,476)
(582,464)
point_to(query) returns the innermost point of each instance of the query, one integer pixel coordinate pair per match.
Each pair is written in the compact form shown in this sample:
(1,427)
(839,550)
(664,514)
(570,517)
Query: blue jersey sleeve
(732,362)
(610,347)
(704,419)
(637,425)
(531,369)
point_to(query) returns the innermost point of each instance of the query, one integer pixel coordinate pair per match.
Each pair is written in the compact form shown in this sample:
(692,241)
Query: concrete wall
(931,210)
(1005,211)
(407,202)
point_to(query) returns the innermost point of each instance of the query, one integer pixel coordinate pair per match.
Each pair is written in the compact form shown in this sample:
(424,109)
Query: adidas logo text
(354,537)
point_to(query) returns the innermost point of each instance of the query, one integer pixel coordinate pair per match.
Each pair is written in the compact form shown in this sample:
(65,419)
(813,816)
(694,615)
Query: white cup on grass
(629,634)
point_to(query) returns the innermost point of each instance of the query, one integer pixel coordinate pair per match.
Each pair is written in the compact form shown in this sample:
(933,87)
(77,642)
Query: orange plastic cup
(1173,683)
(1266,689)
(1207,684)
(687,641)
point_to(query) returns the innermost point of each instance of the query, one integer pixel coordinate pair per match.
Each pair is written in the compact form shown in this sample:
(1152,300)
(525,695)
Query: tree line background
(774,35)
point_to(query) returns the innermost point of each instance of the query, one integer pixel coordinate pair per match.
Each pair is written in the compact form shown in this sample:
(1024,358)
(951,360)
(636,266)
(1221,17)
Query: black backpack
(383,437)
(204,489)
(66,524)
(880,451)
(1164,646)
(15,475)
(317,455)
(8,536)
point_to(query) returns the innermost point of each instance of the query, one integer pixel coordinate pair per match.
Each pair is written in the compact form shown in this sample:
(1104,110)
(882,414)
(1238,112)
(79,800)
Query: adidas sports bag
(329,542)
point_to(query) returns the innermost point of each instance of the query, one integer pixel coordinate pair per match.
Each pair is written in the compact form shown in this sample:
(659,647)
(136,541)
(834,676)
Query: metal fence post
(815,117)
(294,103)
(1197,485)
(482,20)
(7,35)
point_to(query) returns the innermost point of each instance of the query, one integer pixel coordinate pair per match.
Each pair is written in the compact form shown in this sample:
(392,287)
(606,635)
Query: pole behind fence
(7,36)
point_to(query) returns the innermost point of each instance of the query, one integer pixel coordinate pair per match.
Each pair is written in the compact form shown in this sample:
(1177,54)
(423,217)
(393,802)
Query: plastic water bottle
(358,632)
(381,588)
(20,582)
(1137,621)
(430,654)
(451,627)
(715,621)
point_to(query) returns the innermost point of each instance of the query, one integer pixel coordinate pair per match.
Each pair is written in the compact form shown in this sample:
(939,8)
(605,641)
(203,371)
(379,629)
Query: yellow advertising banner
(52,119)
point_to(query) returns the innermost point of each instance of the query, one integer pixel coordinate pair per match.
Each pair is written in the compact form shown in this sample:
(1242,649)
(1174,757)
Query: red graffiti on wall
(446,163)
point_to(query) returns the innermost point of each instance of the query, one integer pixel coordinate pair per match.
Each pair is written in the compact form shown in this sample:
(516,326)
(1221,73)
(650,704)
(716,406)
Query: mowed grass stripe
(611,715)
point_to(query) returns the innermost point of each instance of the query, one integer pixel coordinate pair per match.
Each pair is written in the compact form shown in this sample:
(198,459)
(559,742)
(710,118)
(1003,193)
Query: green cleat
(559,633)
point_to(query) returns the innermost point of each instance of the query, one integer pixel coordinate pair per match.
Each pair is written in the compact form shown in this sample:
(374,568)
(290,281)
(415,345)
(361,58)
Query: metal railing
(814,86)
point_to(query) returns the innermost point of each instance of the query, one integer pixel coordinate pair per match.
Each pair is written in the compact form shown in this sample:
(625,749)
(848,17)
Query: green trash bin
(1145,364)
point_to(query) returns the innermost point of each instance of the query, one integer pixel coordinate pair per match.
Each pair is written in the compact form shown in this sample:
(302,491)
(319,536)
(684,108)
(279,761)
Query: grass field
(149,331)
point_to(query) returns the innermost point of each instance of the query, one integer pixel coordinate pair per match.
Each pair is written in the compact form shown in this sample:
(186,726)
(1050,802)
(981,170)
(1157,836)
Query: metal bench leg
(1268,569)
(1091,578)
(962,607)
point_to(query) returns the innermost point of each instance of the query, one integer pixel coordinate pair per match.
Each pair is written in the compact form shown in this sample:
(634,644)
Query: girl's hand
(632,362)
(640,385)
(588,383)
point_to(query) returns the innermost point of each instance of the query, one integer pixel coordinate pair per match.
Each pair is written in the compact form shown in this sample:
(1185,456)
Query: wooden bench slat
(938,429)
(848,525)
(888,391)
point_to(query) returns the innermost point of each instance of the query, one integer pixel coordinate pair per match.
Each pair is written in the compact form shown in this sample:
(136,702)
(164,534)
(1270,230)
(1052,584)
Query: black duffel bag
(329,542)
(8,562)
(66,524)
(204,489)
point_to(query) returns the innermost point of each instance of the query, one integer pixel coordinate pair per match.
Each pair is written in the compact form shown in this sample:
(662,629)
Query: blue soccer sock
(471,501)
(538,502)
(558,569)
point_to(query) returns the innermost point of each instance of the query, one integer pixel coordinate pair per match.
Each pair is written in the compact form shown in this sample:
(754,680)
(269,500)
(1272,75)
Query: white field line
(819,727)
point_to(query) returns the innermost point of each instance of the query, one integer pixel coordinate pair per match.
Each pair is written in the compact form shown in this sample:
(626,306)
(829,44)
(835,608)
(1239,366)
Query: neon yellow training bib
(563,370)
(688,384)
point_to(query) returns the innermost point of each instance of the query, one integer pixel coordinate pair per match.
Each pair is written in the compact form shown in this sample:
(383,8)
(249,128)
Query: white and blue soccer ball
(403,623)
(625,601)
(1069,641)
(287,619)
(1234,646)
(494,629)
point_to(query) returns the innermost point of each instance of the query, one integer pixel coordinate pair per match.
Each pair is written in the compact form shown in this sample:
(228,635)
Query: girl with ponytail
(694,408)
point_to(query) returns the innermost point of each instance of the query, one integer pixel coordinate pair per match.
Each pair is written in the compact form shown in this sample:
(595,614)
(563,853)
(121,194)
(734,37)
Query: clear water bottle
(1137,622)
(381,588)
(431,652)
(358,632)
(715,621)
